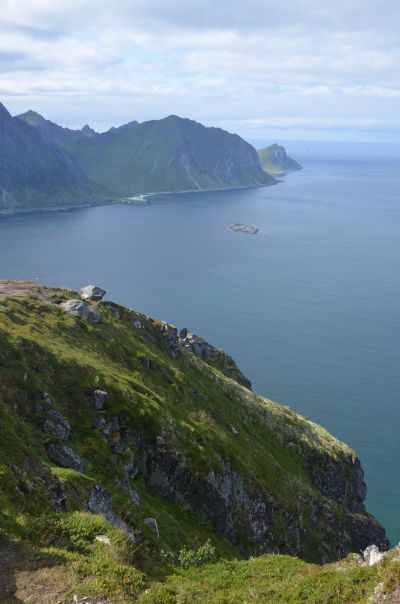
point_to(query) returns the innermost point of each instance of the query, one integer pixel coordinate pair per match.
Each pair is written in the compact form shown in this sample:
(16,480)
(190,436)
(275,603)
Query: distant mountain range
(44,165)
(275,161)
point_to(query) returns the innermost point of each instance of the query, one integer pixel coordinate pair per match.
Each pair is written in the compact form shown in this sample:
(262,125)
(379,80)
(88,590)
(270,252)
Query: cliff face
(104,409)
(34,172)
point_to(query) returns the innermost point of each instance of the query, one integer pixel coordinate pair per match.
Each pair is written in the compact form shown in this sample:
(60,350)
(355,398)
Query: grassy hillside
(172,154)
(182,471)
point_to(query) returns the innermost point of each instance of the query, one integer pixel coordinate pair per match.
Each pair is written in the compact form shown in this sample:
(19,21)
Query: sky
(298,69)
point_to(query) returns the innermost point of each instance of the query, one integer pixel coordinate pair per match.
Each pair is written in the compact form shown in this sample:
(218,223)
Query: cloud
(301,64)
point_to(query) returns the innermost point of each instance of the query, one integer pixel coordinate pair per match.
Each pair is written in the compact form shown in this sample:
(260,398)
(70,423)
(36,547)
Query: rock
(137,324)
(92,292)
(47,399)
(57,425)
(212,355)
(242,228)
(372,555)
(81,309)
(170,334)
(100,503)
(103,539)
(100,399)
(153,526)
(64,457)
(135,498)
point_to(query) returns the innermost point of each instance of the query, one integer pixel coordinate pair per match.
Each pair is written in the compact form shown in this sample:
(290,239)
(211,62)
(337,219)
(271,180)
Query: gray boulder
(100,399)
(92,292)
(57,425)
(81,309)
(64,456)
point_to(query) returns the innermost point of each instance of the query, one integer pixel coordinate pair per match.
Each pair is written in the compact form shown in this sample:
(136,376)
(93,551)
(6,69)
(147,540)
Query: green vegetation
(172,154)
(171,422)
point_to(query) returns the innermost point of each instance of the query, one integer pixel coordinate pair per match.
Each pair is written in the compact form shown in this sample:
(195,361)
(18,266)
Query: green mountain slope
(275,161)
(172,154)
(127,448)
(34,173)
(53,132)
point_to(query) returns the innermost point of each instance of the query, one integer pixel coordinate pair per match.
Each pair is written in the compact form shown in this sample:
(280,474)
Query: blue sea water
(309,307)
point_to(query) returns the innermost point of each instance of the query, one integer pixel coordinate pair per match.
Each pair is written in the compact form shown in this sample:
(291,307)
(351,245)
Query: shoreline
(127,200)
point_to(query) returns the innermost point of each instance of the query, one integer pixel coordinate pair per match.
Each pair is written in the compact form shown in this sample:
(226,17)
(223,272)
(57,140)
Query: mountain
(274,160)
(130,452)
(171,154)
(35,173)
(53,132)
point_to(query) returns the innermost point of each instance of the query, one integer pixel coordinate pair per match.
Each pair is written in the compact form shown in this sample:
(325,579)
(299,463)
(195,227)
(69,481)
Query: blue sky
(299,69)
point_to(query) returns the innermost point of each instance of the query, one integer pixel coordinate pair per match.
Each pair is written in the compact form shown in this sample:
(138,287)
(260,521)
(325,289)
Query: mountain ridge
(35,172)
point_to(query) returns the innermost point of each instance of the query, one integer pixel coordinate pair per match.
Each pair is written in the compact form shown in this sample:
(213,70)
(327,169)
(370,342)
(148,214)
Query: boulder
(64,456)
(372,555)
(81,309)
(56,425)
(92,292)
(100,399)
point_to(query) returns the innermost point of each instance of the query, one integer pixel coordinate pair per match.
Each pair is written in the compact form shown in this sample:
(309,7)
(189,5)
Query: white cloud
(301,64)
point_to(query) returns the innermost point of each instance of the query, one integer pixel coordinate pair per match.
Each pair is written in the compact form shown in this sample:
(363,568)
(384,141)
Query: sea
(309,307)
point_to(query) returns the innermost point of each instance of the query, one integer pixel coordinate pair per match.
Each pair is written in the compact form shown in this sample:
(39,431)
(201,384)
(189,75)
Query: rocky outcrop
(92,292)
(213,356)
(64,456)
(81,309)
(99,399)
(246,514)
(56,425)
(100,503)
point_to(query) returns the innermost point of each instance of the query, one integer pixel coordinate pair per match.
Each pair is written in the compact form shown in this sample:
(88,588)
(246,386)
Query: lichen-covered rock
(92,292)
(100,399)
(64,456)
(81,309)
(57,425)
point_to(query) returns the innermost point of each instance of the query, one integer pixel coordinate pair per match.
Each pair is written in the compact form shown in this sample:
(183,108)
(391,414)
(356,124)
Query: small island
(242,228)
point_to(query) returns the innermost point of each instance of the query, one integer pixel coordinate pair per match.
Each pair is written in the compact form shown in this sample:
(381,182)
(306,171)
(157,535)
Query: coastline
(142,199)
